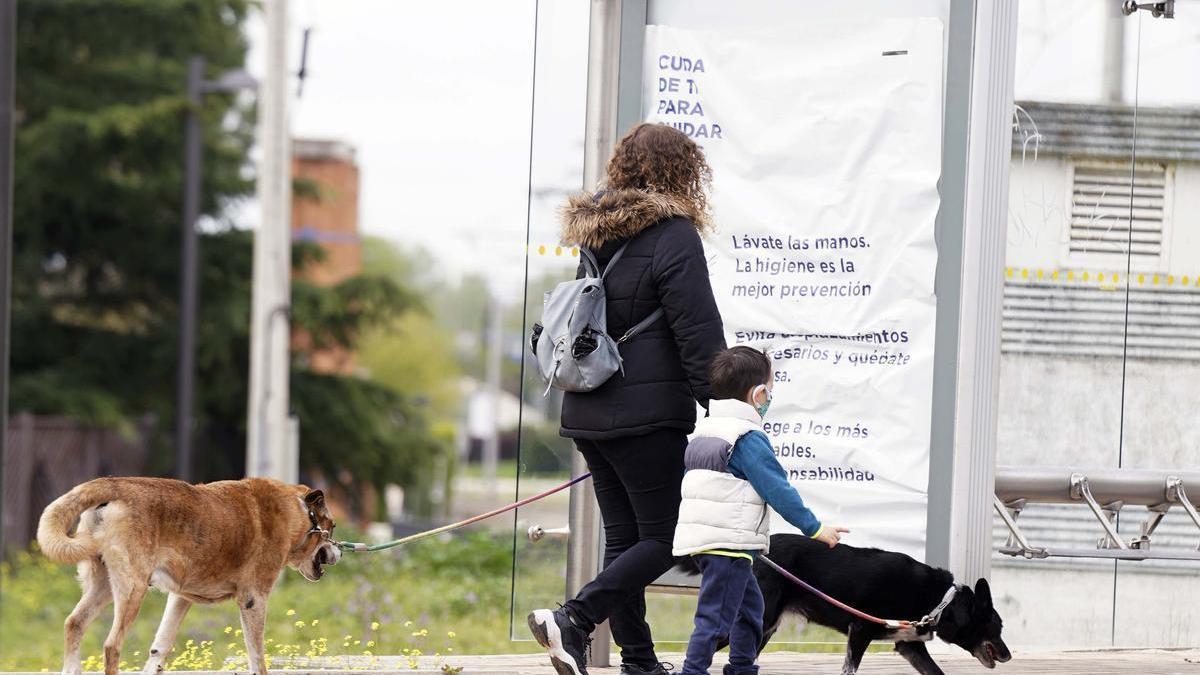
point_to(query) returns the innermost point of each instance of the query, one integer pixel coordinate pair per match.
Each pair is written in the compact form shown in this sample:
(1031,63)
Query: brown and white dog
(199,543)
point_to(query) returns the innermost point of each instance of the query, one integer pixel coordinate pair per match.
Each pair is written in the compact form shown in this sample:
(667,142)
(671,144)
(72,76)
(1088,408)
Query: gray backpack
(573,348)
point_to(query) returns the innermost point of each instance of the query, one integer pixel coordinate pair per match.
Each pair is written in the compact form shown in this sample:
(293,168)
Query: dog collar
(931,619)
(316,526)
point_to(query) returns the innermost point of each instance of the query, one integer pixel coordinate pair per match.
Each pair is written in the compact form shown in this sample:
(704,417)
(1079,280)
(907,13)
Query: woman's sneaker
(556,634)
(657,669)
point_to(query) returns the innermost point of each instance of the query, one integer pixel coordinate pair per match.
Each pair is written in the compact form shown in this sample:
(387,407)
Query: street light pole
(188,287)
(267,424)
(8,75)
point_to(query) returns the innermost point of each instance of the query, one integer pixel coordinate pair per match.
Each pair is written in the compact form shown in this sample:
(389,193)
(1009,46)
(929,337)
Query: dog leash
(356,547)
(927,620)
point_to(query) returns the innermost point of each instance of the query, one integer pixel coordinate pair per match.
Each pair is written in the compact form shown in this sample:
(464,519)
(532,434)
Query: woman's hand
(830,536)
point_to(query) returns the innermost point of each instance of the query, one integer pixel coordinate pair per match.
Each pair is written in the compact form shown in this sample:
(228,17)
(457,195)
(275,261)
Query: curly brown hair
(660,158)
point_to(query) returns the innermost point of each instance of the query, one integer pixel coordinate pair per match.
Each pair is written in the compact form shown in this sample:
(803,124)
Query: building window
(1101,230)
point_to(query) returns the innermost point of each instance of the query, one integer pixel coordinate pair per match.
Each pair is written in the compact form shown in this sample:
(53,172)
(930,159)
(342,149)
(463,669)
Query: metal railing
(1105,492)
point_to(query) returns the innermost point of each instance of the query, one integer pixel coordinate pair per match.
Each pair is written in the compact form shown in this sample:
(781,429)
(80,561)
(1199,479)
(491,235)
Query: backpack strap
(616,256)
(590,267)
(643,324)
(593,266)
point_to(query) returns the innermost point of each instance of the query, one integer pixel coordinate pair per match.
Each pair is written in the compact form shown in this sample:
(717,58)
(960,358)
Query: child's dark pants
(731,606)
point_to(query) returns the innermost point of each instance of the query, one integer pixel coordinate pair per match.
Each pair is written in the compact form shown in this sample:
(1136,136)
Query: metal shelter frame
(970,235)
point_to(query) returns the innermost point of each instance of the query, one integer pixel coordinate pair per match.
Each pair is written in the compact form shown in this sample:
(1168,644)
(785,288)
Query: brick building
(325,212)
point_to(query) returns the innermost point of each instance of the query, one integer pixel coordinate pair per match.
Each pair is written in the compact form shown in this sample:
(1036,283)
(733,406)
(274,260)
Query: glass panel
(537,579)
(1162,333)
(556,162)
(1061,348)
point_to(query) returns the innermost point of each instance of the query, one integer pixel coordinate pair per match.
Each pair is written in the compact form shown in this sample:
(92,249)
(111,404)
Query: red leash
(356,547)
(834,601)
(365,548)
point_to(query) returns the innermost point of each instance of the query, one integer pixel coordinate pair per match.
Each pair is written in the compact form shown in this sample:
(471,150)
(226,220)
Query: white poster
(825,145)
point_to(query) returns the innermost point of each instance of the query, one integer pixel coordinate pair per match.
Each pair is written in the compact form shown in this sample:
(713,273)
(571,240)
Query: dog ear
(983,595)
(315,499)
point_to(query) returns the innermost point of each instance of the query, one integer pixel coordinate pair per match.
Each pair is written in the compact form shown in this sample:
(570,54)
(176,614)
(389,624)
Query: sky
(438,99)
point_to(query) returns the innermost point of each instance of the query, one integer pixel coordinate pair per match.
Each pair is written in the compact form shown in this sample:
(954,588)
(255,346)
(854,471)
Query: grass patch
(435,598)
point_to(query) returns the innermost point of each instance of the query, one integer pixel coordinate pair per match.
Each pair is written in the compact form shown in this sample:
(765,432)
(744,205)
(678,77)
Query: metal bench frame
(1105,492)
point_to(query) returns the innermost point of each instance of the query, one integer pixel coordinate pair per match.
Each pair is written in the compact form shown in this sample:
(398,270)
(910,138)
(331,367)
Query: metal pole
(188,290)
(266,447)
(1114,52)
(494,347)
(970,231)
(8,74)
(600,129)
(1053,484)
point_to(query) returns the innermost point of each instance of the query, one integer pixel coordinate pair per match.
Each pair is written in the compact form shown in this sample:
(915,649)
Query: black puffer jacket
(666,366)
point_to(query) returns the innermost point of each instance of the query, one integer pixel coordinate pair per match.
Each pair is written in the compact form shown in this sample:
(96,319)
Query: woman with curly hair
(633,429)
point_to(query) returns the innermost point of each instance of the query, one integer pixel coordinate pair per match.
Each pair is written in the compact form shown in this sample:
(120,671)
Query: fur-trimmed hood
(592,221)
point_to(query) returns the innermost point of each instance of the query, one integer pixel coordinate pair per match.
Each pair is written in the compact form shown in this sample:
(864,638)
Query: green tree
(98,176)
(97,210)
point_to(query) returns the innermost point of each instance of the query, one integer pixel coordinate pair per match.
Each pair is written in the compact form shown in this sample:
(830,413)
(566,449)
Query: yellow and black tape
(554,250)
(1103,280)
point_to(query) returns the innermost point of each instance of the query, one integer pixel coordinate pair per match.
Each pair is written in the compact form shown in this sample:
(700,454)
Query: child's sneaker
(566,643)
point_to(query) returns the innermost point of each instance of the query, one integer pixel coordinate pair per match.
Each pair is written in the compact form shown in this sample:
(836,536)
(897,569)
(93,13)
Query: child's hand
(830,536)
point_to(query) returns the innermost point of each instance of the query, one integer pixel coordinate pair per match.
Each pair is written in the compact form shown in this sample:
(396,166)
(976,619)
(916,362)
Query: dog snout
(328,554)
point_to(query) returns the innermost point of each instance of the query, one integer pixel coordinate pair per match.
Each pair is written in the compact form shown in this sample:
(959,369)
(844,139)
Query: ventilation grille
(1100,210)
(1074,320)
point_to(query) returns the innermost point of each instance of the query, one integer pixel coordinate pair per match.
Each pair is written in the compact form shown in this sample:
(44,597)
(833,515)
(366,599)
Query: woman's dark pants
(637,482)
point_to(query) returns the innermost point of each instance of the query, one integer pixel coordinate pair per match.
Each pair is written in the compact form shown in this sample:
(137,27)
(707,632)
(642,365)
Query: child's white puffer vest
(719,510)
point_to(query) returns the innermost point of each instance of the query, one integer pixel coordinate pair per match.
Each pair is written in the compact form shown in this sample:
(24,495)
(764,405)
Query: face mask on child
(766,405)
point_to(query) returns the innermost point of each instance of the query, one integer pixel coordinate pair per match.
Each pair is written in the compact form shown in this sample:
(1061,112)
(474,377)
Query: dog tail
(54,529)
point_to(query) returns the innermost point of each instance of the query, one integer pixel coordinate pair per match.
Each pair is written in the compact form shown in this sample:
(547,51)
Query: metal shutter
(1081,320)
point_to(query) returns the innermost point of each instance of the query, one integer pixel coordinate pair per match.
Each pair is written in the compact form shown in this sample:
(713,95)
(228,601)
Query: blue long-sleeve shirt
(753,460)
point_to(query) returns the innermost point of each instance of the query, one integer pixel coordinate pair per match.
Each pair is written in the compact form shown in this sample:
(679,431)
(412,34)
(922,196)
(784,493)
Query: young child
(732,477)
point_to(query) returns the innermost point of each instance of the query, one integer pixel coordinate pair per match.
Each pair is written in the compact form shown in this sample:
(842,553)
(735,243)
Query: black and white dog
(886,585)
